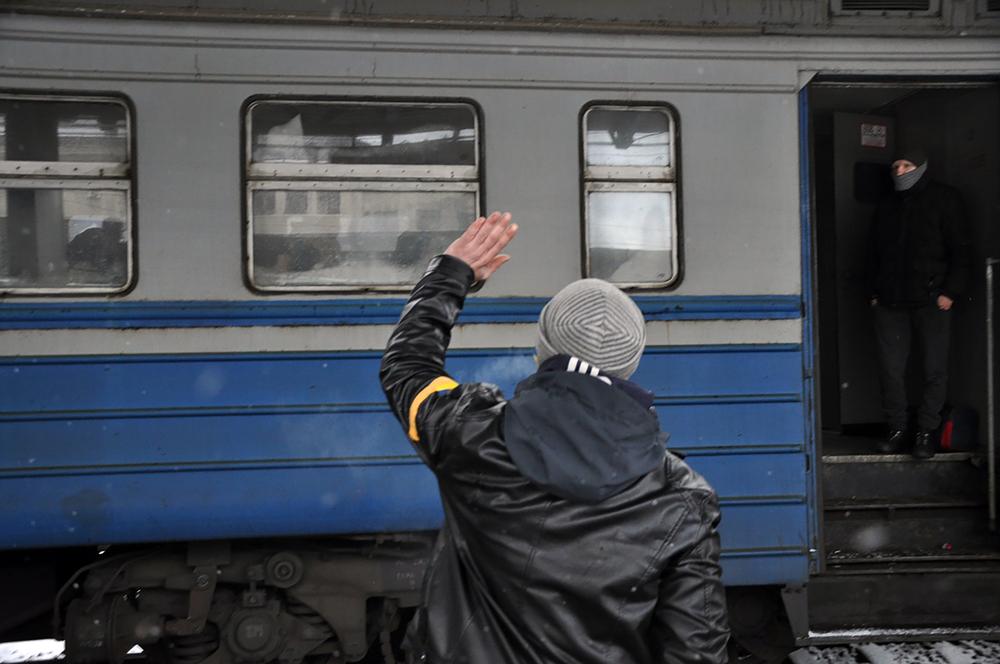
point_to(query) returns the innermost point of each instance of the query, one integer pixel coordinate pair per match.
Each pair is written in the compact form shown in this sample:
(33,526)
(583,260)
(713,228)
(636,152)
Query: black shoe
(892,443)
(923,445)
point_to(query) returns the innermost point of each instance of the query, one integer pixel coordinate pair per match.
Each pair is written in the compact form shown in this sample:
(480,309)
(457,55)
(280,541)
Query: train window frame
(625,179)
(877,9)
(69,176)
(265,176)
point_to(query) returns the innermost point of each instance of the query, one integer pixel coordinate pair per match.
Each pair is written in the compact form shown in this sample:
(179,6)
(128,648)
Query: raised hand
(481,243)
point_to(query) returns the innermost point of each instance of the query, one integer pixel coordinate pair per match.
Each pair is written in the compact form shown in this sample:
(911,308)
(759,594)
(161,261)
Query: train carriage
(211,214)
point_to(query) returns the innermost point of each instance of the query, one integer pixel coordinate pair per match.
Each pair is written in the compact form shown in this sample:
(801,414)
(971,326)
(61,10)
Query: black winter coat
(919,246)
(570,534)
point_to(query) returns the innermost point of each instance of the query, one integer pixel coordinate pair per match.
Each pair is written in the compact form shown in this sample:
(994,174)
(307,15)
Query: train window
(345,195)
(630,203)
(65,195)
(885,7)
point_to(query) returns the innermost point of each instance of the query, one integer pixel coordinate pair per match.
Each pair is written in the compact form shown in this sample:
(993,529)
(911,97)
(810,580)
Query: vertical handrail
(991,450)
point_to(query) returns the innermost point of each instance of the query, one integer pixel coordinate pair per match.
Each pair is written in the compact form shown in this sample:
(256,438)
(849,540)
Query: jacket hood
(582,437)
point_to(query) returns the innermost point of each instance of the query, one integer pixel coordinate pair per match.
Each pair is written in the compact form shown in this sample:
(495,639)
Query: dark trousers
(894,330)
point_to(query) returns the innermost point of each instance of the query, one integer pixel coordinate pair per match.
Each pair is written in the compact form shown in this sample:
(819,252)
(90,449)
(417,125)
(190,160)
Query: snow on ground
(31,651)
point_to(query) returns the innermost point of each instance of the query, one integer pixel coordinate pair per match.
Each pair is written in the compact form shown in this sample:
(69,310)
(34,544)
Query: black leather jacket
(570,534)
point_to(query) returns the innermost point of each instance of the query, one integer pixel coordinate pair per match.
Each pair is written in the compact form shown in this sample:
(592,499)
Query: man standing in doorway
(919,266)
(571,534)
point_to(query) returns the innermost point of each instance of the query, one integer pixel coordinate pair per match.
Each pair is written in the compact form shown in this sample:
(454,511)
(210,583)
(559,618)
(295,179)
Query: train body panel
(119,449)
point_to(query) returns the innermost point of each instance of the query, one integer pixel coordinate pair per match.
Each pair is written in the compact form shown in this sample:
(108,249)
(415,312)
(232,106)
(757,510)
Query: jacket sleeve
(415,383)
(690,623)
(959,246)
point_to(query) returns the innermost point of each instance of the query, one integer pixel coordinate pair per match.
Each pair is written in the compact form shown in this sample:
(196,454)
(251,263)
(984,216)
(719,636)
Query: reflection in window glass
(65,195)
(365,237)
(296,202)
(629,236)
(620,137)
(326,202)
(265,202)
(67,131)
(363,133)
(63,238)
(353,212)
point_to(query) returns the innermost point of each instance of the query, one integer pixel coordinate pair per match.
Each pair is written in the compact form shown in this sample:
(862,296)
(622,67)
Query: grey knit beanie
(596,322)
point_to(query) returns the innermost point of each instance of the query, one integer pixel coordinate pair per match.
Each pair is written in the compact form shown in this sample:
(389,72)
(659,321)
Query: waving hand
(481,243)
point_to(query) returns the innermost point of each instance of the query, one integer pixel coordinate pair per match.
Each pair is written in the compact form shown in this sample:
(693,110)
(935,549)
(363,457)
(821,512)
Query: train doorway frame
(797,600)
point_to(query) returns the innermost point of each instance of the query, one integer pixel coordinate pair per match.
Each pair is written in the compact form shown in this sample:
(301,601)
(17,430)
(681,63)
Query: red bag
(959,432)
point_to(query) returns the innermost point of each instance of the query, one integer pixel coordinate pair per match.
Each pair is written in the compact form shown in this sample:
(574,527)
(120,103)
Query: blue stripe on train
(149,448)
(709,373)
(43,445)
(125,314)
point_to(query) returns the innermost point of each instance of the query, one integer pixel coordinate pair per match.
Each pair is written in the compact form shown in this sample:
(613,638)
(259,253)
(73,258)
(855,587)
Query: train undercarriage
(220,602)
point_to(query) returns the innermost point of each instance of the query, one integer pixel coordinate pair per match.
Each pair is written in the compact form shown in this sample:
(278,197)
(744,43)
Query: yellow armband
(439,384)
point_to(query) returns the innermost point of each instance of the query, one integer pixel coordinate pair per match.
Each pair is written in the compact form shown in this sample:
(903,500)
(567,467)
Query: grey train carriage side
(210,217)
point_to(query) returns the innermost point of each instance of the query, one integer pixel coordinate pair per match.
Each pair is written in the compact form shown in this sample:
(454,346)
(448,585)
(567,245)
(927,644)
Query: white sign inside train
(874,135)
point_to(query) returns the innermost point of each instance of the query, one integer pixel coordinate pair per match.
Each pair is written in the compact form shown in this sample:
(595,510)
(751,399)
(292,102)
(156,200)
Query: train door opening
(891,516)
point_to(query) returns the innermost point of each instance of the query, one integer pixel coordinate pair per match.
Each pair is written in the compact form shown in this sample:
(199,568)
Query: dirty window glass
(619,137)
(363,133)
(65,195)
(353,237)
(356,195)
(629,236)
(630,187)
(63,238)
(67,131)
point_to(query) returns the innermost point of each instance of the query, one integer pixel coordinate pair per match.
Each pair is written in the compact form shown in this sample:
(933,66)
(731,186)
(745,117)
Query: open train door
(896,530)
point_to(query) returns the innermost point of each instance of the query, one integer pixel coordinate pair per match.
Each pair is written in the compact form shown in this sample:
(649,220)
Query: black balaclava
(907,180)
